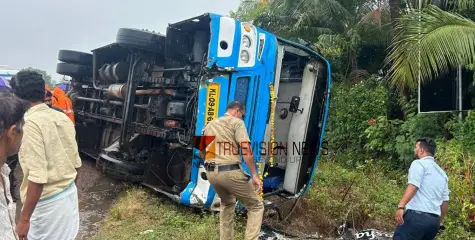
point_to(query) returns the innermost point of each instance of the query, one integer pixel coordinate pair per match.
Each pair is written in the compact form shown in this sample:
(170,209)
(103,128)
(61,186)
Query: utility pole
(459,84)
(419,62)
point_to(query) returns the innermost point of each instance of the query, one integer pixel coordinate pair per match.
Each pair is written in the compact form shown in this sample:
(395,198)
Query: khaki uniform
(229,133)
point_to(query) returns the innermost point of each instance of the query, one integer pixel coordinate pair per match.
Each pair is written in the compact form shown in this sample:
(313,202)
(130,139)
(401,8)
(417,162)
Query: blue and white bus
(184,79)
(7,73)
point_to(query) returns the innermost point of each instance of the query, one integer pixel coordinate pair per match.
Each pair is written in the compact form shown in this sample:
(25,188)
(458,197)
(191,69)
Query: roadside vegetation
(361,196)
(358,184)
(373,122)
(373,46)
(140,214)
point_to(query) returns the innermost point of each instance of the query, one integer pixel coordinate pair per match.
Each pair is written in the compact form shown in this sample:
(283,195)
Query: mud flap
(118,168)
(165,170)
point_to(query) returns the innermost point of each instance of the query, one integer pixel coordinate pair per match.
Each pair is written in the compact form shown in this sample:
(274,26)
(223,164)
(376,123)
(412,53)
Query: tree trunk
(394,7)
(395,111)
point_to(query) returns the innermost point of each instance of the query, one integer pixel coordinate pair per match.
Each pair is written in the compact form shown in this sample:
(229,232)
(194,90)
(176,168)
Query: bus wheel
(73,70)
(70,56)
(141,39)
(119,170)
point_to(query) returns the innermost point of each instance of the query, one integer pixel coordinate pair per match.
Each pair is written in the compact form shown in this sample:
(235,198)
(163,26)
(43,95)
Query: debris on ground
(146,232)
(268,233)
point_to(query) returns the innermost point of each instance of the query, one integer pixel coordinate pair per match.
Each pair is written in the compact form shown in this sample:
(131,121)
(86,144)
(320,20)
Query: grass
(140,211)
(364,197)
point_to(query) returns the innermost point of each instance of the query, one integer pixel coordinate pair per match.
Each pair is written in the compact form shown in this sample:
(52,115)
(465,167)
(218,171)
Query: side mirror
(294,104)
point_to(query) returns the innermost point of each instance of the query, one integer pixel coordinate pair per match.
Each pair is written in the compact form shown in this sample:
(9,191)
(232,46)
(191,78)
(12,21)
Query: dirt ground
(96,193)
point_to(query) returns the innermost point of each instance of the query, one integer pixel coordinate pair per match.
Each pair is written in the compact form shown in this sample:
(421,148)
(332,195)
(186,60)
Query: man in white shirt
(12,110)
(425,203)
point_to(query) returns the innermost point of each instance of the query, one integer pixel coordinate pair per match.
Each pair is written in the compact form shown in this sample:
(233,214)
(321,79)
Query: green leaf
(444,41)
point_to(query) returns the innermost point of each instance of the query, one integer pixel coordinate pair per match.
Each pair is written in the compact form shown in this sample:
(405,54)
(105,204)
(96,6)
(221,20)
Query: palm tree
(249,10)
(442,39)
(339,27)
(304,19)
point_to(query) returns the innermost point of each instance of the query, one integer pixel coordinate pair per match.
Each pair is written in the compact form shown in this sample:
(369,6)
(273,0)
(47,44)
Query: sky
(32,32)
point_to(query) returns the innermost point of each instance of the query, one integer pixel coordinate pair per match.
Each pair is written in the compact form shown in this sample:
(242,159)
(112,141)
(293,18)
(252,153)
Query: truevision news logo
(265,149)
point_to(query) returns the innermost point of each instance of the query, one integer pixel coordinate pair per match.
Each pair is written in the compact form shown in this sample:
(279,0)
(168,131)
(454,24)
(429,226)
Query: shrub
(457,157)
(394,139)
(351,108)
(363,196)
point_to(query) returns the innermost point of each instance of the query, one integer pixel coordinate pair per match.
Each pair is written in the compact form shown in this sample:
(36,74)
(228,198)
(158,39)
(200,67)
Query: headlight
(244,56)
(246,41)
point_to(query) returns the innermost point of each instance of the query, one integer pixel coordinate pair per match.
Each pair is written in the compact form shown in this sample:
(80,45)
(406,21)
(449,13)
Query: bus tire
(141,39)
(125,171)
(70,56)
(73,70)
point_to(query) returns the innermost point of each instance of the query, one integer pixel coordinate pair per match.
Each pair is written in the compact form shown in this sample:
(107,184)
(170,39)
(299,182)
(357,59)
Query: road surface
(96,193)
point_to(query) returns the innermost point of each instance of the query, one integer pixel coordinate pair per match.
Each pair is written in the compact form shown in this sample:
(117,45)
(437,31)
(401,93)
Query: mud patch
(97,193)
(303,220)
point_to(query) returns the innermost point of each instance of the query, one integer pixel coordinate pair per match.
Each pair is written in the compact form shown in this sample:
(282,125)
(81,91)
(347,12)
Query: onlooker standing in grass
(425,202)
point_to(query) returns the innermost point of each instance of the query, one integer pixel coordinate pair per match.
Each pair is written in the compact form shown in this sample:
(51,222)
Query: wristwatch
(401,207)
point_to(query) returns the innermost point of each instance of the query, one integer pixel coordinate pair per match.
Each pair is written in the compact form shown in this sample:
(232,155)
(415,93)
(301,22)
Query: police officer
(225,173)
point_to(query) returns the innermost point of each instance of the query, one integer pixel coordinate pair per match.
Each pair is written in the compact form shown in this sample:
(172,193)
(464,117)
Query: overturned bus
(141,101)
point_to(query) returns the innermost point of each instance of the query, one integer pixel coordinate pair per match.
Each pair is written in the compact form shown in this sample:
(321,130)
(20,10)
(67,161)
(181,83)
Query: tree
(443,39)
(249,10)
(340,29)
(46,76)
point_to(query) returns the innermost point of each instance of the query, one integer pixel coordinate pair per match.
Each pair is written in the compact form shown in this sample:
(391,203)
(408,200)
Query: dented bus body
(141,101)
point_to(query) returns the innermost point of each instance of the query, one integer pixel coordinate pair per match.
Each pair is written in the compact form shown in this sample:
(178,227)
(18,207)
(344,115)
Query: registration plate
(212,102)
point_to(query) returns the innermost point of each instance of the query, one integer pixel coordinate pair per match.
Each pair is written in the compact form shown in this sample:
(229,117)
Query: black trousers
(418,225)
(12,163)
